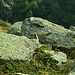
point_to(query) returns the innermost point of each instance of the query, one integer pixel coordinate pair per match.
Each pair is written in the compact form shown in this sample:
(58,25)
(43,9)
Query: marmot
(36,37)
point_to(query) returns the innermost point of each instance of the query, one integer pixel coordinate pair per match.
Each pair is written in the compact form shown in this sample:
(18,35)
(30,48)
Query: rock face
(58,56)
(72,72)
(72,28)
(16,47)
(48,32)
(15,28)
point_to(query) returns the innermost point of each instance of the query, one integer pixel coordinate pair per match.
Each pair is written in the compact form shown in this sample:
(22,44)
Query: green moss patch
(4,26)
(40,64)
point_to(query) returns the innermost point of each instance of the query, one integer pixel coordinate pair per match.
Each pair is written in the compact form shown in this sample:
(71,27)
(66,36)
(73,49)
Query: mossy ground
(40,64)
(4,26)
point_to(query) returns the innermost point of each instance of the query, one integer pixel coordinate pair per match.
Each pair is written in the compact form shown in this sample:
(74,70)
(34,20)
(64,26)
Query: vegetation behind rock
(57,11)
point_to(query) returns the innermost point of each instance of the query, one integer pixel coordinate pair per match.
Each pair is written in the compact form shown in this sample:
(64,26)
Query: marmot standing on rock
(36,37)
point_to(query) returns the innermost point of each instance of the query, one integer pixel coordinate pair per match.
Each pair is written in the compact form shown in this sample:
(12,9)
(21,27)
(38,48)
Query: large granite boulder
(15,28)
(17,47)
(48,32)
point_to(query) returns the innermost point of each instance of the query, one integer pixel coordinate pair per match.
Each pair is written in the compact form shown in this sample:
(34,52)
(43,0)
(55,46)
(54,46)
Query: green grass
(40,64)
(4,26)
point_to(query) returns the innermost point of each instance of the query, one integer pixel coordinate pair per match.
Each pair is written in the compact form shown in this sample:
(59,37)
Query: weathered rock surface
(48,32)
(72,28)
(72,72)
(58,56)
(16,47)
(15,28)
(20,74)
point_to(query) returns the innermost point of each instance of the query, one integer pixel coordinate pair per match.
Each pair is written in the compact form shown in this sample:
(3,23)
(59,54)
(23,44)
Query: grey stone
(15,28)
(20,74)
(72,72)
(58,56)
(72,28)
(48,32)
(17,47)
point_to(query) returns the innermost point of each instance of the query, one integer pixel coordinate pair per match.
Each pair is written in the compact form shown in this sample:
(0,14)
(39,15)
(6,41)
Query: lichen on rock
(48,32)
(17,47)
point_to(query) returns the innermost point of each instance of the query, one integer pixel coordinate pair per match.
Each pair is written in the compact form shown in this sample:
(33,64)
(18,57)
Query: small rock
(19,74)
(58,56)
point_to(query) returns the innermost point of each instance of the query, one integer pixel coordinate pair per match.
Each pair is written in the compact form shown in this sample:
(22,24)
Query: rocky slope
(47,58)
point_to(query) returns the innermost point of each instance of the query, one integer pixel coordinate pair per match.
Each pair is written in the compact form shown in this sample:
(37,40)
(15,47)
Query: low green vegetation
(40,64)
(37,66)
(4,26)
